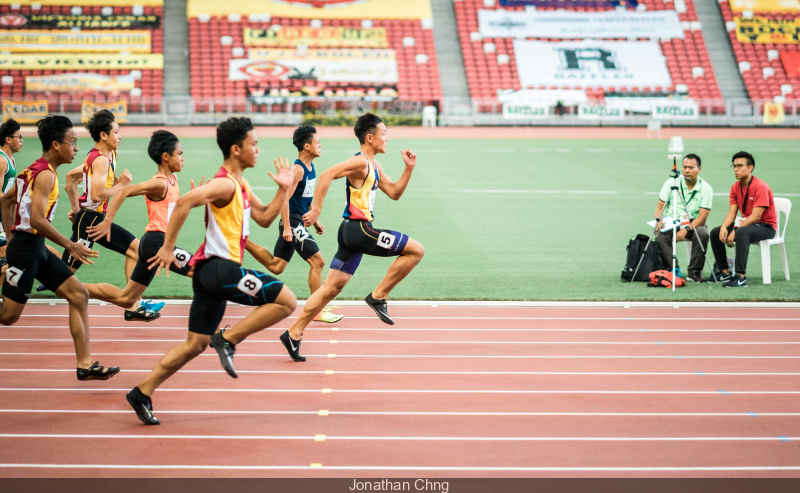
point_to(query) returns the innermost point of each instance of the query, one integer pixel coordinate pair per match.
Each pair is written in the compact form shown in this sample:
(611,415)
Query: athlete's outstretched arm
(395,189)
(153,186)
(262,214)
(354,168)
(99,174)
(8,206)
(74,176)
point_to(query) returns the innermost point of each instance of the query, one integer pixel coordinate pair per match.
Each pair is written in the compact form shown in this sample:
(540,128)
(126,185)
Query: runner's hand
(125,178)
(199,184)
(285,177)
(310,217)
(163,258)
(81,252)
(71,215)
(319,227)
(409,157)
(100,230)
(287,234)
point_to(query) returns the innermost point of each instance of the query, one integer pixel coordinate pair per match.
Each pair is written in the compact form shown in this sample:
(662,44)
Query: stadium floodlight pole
(675,151)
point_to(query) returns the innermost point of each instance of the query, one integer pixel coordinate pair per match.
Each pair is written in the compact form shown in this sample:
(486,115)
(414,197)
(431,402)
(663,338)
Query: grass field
(499,219)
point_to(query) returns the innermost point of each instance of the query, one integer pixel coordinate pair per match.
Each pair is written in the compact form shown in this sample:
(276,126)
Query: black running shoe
(380,309)
(40,288)
(736,282)
(143,406)
(141,314)
(292,346)
(225,351)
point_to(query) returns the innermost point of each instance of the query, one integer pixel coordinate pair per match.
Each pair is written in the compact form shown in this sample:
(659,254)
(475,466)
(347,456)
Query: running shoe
(153,306)
(326,316)
(143,406)
(736,282)
(380,309)
(292,346)
(40,288)
(225,351)
(141,314)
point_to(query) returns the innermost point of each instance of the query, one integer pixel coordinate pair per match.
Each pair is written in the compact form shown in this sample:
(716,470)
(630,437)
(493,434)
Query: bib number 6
(250,285)
(182,256)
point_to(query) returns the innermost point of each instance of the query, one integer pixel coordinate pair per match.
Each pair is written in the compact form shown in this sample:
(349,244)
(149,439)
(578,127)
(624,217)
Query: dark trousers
(744,237)
(698,257)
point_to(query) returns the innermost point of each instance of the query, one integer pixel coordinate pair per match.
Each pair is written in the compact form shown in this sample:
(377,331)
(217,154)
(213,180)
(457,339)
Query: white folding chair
(785,206)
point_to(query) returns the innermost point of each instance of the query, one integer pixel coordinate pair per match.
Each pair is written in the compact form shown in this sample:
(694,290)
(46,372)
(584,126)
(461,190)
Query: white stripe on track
(438,329)
(670,319)
(417,391)
(426,356)
(422,372)
(344,341)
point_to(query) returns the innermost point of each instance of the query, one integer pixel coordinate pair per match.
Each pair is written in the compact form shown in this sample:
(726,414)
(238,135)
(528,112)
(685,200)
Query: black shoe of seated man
(225,350)
(292,346)
(380,309)
(721,277)
(736,282)
(141,314)
(694,277)
(143,406)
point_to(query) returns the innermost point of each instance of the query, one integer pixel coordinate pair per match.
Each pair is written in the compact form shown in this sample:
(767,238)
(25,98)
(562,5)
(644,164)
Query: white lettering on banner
(607,64)
(517,111)
(677,110)
(360,66)
(592,112)
(579,25)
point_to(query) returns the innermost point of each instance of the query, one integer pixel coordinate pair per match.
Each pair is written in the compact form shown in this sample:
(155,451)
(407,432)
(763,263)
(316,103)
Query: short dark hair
(52,128)
(7,130)
(100,122)
(746,155)
(232,132)
(162,141)
(303,135)
(366,124)
(695,157)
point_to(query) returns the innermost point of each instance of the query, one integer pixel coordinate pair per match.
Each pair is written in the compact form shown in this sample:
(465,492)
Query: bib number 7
(13,276)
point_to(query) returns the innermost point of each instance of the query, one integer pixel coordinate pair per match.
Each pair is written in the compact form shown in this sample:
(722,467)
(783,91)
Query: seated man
(759,220)
(697,195)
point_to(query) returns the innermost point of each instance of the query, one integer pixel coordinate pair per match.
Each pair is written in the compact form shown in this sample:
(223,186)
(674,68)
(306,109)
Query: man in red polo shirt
(751,197)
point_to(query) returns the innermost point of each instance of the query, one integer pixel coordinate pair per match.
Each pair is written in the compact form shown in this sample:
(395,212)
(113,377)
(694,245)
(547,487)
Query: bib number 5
(250,285)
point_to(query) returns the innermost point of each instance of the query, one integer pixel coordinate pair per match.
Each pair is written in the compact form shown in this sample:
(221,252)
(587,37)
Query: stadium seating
(488,72)
(150,84)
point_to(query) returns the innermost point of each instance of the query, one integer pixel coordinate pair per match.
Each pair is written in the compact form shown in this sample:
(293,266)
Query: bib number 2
(250,285)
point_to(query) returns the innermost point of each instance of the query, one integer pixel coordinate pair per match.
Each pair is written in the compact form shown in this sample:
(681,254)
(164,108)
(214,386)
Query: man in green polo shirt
(697,194)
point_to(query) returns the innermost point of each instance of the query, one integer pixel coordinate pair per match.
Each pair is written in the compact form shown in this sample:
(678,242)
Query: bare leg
(262,317)
(131,257)
(334,283)
(315,262)
(10,311)
(127,298)
(173,361)
(273,264)
(78,298)
(399,269)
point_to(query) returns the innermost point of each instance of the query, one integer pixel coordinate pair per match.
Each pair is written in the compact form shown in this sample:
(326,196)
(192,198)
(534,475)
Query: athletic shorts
(149,245)
(302,241)
(28,259)
(357,238)
(217,281)
(121,238)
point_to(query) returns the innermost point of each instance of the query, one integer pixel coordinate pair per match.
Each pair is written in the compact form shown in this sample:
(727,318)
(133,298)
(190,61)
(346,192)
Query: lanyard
(744,193)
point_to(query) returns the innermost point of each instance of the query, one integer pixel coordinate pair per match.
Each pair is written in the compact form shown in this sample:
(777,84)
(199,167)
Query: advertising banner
(372,66)
(662,24)
(119,108)
(67,21)
(566,3)
(764,6)
(591,64)
(316,9)
(25,111)
(766,30)
(676,110)
(67,41)
(320,37)
(525,111)
(263,93)
(87,3)
(773,113)
(79,82)
(78,61)
(791,62)
(587,111)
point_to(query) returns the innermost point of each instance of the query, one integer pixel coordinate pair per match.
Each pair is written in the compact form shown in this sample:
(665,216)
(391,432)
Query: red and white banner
(360,66)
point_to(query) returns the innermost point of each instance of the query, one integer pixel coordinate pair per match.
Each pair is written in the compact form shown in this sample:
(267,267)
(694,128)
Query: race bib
(13,276)
(250,285)
(372,194)
(85,242)
(182,256)
(386,240)
(309,190)
(300,233)
(246,222)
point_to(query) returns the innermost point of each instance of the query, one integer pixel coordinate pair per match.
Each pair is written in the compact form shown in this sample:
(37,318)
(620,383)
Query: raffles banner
(591,63)
(765,30)
(360,66)
(320,37)
(66,21)
(79,82)
(119,108)
(78,61)
(791,62)
(25,111)
(315,9)
(562,24)
(89,41)
(765,6)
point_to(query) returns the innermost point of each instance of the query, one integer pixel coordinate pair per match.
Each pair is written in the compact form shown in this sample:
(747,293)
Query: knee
(414,249)
(133,250)
(316,262)
(287,301)
(78,295)
(8,318)
(277,268)
(196,347)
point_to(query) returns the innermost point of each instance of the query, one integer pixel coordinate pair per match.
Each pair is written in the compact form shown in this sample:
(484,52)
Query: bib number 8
(13,276)
(182,256)
(250,285)
(386,240)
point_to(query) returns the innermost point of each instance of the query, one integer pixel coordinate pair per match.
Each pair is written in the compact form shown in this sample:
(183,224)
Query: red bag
(664,278)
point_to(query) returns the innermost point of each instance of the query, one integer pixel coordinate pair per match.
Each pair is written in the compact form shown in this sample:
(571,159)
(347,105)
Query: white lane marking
(406,438)
(340,341)
(417,391)
(434,356)
(422,372)
(204,467)
(438,329)
(629,319)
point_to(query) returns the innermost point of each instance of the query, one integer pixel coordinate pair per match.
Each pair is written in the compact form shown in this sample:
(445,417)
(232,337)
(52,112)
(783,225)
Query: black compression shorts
(302,241)
(149,245)
(121,238)
(28,259)
(359,237)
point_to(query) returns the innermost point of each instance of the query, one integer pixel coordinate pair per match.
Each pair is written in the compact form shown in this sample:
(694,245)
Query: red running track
(449,391)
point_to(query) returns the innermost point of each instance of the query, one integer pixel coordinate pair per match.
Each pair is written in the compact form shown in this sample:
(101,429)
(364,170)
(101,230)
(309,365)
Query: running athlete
(98,174)
(218,273)
(363,176)
(10,143)
(161,194)
(30,206)
(294,235)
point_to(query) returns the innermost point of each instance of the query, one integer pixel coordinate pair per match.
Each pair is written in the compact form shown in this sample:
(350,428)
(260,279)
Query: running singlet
(159,211)
(360,201)
(227,227)
(11,172)
(86,199)
(25,187)
(300,200)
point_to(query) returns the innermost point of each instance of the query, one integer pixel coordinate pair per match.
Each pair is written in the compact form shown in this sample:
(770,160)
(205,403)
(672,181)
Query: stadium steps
(448,52)
(176,48)
(720,52)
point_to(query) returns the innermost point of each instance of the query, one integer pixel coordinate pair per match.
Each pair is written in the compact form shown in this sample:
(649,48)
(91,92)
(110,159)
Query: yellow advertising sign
(320,37)
(764,30)
(773,113)
(18,41)
(92,3)
(315,9)
(78,83)
(764,6)
(25,111)
(81,61)
(119,108)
